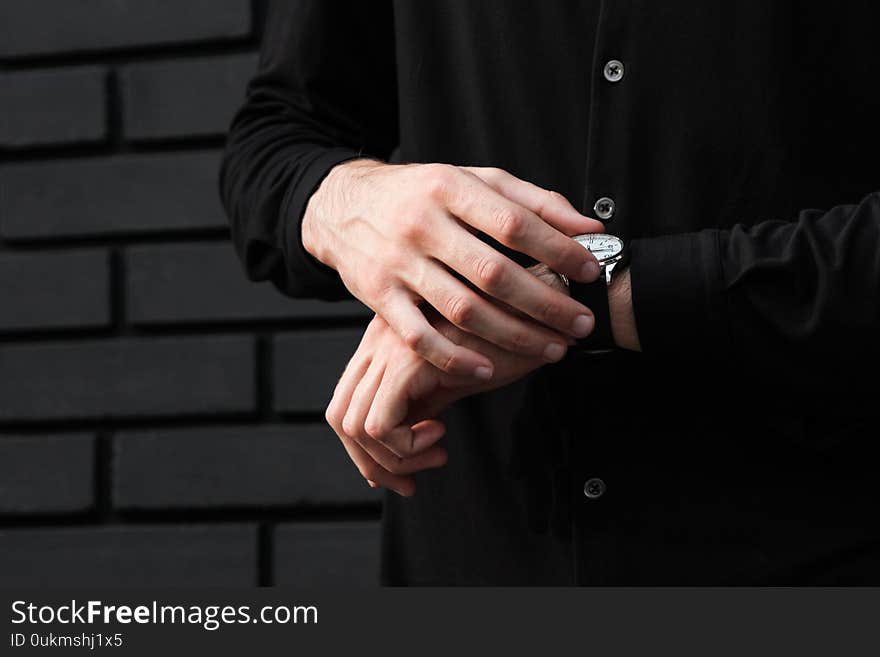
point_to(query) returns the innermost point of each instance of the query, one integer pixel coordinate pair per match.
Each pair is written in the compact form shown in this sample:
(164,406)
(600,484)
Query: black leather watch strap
(595,297)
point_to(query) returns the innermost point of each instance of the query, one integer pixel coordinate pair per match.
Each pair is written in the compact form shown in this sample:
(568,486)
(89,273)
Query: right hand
(397,234)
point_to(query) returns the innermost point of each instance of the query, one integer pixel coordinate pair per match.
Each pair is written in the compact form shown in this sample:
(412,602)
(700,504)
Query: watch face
(604,247)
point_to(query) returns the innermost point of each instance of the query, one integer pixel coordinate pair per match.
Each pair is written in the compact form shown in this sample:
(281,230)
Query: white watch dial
(604,247)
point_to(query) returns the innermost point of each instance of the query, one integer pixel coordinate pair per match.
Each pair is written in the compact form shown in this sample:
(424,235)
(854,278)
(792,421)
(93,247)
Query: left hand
(384,405)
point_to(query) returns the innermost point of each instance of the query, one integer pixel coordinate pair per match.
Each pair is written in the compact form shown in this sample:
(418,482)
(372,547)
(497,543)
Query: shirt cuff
(678,295)
(323,281)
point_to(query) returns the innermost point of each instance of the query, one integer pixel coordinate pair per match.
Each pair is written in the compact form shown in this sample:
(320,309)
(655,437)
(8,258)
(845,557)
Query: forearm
(264,191)
(309,107)
(797,300)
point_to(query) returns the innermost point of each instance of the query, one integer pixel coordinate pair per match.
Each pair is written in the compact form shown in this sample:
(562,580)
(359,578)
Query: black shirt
(740,145)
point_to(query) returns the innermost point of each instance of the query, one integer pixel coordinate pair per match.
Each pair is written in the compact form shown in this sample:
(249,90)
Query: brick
(105,196)
(307,366)
(54,290)
(183,98)
(47,474)
(296,465)
(327,555)
(127,377)
(52,107)
(38,27)
(201,555)
(205,283)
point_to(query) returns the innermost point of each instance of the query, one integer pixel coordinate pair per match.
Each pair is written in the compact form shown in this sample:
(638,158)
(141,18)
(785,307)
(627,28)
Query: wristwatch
(610,252)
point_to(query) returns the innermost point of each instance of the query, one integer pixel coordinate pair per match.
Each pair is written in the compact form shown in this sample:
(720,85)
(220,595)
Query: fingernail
(582,326)
(590,270)
(554,352)
(372,483)
(483,373)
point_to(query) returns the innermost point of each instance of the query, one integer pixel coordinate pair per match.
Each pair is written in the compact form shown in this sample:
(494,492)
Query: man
(730,434)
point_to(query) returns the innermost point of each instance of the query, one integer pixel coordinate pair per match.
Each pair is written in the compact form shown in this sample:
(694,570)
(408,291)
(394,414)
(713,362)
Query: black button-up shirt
(736,146)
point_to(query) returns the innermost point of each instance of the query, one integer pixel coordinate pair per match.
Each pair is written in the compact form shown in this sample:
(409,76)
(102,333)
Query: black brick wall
(160,416)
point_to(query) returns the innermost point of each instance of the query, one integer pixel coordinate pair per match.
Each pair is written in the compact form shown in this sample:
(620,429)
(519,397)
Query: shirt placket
(610,74)
(595,488)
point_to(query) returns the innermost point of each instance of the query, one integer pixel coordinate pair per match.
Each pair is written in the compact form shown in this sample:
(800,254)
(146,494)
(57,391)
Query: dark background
(161,419)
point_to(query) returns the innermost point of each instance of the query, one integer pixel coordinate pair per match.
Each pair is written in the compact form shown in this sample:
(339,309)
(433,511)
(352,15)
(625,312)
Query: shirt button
(594,488)
(604,208)
(614,70)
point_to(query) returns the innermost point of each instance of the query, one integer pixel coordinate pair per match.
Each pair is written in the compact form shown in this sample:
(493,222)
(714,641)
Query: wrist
(623,319)
(328,201)
(550,278)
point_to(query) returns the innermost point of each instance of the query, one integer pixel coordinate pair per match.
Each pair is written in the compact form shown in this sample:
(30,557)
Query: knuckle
(411,226)
(375,430)
(395,259)
(438,180)
(460,310)
(377,286)
(448,363)
(491,274)
(511,224)
(556,198)
(415,339)
(349,427)
(491,175)
(418,273)
(548,199)
(331,416)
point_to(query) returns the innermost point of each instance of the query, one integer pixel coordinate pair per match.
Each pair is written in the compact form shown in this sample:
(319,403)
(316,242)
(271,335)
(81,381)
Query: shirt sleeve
(797,300)
(325,92)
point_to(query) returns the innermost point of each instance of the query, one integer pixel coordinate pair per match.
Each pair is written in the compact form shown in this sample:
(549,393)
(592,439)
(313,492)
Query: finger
(390,405)
(470,312)
(477,204)
(503,279)
(371,471)
(552,207)
(337,409)
(431,458)
(404,442)
(368,466)
(427,432)
(383,465)
(345,388)
(353,425)
(415,439)
(404,316)
(361,401)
